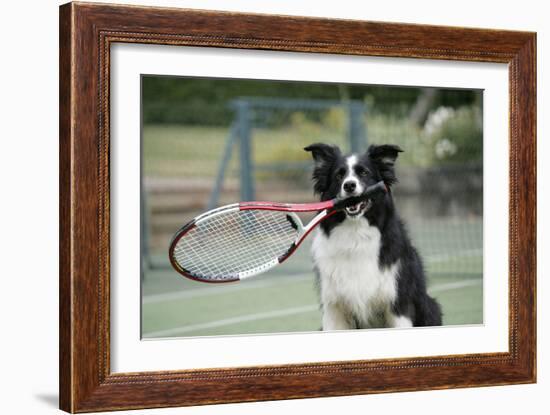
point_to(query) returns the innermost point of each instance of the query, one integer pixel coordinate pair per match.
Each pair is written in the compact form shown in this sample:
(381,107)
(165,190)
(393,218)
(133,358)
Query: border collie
(369,274)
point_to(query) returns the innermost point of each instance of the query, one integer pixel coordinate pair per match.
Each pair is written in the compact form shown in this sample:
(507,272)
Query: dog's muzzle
(359,208)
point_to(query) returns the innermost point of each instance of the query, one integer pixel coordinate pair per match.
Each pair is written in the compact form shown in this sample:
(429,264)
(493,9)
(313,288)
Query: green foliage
(390,129)
(186,120)
(449,136)
(182,151)
(206,101)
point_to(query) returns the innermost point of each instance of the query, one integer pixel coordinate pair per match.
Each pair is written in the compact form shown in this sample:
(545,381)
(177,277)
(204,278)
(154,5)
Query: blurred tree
(204,101)
(424,101)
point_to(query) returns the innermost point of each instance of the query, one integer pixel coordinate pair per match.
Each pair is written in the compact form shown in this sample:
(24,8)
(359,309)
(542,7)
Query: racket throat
(304,232)
(290,251)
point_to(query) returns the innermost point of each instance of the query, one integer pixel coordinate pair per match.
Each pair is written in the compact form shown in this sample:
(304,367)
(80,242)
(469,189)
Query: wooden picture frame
(86,33)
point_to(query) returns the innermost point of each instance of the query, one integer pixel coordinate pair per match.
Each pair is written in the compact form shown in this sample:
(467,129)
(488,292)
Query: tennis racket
(244,239)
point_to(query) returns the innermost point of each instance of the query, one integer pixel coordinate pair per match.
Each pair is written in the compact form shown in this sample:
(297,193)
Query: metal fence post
(226,158)
(356,127)
(246,167)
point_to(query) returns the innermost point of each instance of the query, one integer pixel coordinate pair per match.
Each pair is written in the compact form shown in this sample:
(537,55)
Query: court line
(197,292)
(454,285)
(282,313)
(231,287)
(234,320)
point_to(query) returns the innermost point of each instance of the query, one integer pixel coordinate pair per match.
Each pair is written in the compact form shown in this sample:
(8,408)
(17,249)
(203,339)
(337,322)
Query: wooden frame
(86,33)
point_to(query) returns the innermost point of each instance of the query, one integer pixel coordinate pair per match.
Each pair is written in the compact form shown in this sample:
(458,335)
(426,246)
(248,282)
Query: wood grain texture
(65,246)
(86,33)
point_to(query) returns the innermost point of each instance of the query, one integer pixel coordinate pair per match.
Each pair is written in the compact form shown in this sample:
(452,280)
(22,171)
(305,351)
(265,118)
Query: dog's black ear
(325,156)
(323,153)
(384,157)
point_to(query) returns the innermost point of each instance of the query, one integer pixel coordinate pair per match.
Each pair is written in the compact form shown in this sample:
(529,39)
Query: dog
(368,272)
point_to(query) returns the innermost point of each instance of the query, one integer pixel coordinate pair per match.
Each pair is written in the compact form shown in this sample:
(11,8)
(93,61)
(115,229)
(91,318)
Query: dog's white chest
(350,275)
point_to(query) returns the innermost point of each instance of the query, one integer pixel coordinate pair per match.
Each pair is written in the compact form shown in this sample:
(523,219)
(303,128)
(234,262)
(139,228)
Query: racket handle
(372,191)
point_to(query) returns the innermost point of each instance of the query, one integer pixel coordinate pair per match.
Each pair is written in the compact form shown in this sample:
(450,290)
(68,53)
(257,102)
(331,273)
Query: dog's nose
(350,186)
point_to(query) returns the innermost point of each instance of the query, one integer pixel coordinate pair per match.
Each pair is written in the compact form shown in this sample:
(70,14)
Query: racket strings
(237,248)
(226,244)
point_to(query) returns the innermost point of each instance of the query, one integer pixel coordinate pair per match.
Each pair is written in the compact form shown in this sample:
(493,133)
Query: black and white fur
(369,273)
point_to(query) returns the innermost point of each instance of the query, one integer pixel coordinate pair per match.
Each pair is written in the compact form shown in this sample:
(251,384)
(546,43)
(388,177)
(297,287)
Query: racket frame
(289,208)
(325,209)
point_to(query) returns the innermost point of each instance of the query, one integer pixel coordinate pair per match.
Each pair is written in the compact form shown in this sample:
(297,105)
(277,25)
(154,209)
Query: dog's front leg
(335,318)
(398,321)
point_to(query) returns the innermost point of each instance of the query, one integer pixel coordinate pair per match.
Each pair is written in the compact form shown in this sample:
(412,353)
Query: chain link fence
(257,155)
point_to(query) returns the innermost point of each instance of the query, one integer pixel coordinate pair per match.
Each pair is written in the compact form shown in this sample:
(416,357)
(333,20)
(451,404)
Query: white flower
(436,119)
(445,148)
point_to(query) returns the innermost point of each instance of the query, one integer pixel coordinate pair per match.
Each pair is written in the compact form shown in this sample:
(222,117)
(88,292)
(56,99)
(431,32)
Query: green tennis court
(285,299)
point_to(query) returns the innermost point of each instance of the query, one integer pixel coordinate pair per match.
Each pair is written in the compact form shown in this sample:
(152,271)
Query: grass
(171,150)
(178,150)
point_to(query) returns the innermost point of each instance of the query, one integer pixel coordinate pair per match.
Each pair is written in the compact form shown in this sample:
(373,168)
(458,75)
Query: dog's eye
(362,172)
(340,174)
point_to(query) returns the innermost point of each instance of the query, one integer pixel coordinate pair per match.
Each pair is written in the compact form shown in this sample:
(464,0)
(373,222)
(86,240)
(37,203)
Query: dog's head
(336,175)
